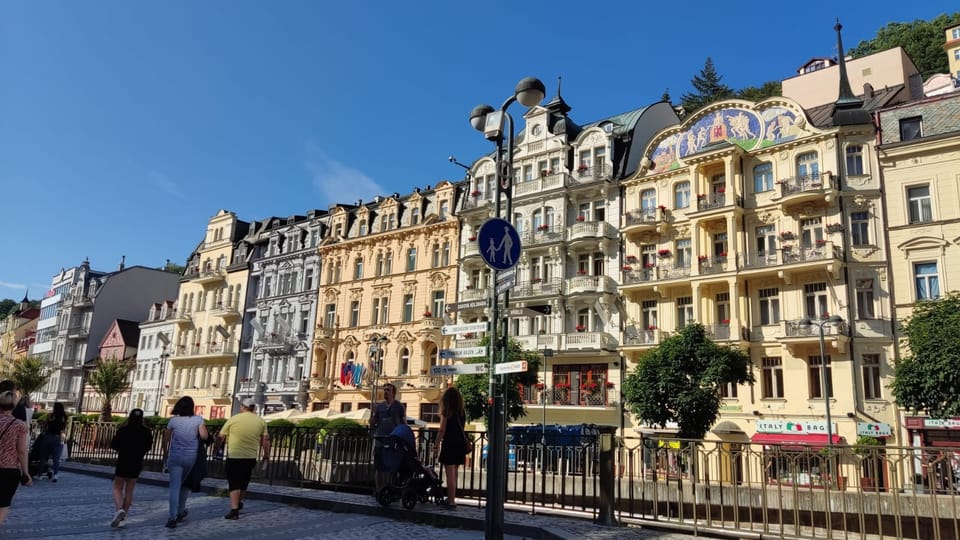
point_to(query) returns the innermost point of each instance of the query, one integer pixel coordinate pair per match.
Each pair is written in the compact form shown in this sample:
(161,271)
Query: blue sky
(125,125)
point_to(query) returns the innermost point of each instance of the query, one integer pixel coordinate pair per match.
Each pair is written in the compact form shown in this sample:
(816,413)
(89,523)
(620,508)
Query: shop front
(937,466)
(795,453)
(871,452)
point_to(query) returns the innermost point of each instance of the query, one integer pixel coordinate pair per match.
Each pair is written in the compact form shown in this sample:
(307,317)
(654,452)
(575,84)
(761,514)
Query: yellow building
(389,267)
(206,337)
(15,328)
(920,160)
(751,219)
(952,47)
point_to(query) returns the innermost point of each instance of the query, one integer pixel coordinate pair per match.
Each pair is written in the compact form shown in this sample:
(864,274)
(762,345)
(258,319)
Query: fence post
(606,480)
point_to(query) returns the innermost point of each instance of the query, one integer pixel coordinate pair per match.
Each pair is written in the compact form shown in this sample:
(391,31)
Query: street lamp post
(529,92)
(376,355)
(163,365)
(820,323)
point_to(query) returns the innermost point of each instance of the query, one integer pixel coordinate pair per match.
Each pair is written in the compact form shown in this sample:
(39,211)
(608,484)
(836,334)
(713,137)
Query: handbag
(468,443)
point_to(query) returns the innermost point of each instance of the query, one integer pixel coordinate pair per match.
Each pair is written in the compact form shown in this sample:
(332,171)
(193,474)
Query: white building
(156,335)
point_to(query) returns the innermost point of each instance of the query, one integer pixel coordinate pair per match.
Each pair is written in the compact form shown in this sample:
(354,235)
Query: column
(734,308)
(734,247)
(696,302)
(728,172)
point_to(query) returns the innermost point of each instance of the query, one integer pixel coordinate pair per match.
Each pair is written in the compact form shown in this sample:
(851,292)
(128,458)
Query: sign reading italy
(799,428)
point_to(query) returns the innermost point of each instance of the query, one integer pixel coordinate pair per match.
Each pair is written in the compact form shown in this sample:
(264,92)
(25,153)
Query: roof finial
(848,110)
(559,80)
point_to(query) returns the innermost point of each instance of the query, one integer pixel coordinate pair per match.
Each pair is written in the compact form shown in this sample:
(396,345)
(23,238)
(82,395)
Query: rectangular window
(911,128)
(766,236)
(375,315)
(411,259)
(772,380)
(444,209)
(763,178)
(435,260)
(860,228)
(385,310)
(445,257)
(414,216)
(346,407)
(728,391)
(684,253)
(330,316)
(871,376)
(430,412)
(355,313)
(770,306)
(865,299)
(649,312)
(811,232)
(438,303)
(855,160)
(808,166)
(358,268)
(927,280)
(407,307)
(684,311)
(918,200)
(308,279)
(816,382)
(681,195)
(815,297)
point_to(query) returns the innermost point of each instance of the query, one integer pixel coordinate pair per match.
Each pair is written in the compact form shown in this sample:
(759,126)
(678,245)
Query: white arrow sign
(463,352)
(511,367)
(454,329)
(459,369)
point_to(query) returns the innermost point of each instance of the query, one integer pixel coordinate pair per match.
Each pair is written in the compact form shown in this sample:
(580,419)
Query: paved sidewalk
(80,506)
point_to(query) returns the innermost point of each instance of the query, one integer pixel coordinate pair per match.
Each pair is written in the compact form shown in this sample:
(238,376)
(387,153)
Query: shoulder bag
(468,444)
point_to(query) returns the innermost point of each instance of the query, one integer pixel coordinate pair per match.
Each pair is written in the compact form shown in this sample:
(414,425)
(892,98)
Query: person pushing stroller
(407,478)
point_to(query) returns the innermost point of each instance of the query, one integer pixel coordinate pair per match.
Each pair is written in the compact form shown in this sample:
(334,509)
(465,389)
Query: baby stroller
(37,465)
(409,481)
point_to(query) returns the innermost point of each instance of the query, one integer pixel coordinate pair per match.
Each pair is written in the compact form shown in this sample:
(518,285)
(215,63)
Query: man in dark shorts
(385,417)
(246,435)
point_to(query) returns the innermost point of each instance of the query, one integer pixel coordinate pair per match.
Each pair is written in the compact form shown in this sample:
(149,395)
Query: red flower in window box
(315,374)
(662,208)
(581,218)
(543,227)
(648,265)
(472,238)
(627,268)
(725,321)
(562,386)
(475,193)
(652,327)
(539,386)
(609,384)
(664,253)
(582,167)
(581,328)
(702,258)
(427,314)
(821,242)
(589,387)
(581,272)
(721,190)
(722,254)
(631,258)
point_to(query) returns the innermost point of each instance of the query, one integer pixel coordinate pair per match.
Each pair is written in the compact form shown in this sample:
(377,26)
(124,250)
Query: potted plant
(590,387)
(543,227)
(652,327)
(609,384)
(472,238)
(721,189)
(821,242)
(582,167)
(539,386)
(581,272)
(427,313)
(722,254)
(868,448)
(703,258)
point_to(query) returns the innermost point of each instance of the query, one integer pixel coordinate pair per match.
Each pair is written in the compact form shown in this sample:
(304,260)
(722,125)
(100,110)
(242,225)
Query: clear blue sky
(125,125)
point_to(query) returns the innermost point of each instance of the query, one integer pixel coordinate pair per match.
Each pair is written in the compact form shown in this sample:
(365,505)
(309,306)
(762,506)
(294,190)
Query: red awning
(794,440)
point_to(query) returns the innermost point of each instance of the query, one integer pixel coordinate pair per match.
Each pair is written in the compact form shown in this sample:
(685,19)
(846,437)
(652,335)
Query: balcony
(181,318)
(538,287)
(539,185)
(537,342)
(431,323)
(283,387)
(479,201)
(720,332)
(248,386)
(589,230)
(563,396)
(800,258)
(587,175)
(714,265)
(708,203)
(210,277)
(323,333)
(641,220)
(805,189)
(471,248)
(275,344)
(467,295)
(226,312)
(835,335)
(543,235)
(590,284)
(639,276)
(674,271)
(637,338)
(203,350)
(594,341)
(77,332)
(78,300)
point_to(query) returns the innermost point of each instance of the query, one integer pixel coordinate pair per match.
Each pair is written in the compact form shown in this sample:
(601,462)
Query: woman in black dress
(131,442)
(453,441)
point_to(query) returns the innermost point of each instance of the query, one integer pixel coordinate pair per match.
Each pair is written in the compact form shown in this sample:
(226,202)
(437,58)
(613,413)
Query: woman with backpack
(132,442)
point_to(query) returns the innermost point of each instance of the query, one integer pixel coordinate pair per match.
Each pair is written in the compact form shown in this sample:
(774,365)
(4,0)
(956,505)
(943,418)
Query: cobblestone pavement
(80,506)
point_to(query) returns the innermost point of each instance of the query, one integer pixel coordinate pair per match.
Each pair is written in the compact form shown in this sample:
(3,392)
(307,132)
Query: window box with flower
(582,167)
(543,227)
(725,321)
(581,219)
(539,386)
(662,207)
(609,384)
(631,258)
(472,238)
(562,386)
(427,314)
(720,190)
(581,272)
(652,327)
(786,235)
(475,193)
(821,242)
(701,196)
(590,387)
(834,227)
(580,328)
(664,253)
(314,374)
(627,268)
(722,254)
(649,265)
(703,258)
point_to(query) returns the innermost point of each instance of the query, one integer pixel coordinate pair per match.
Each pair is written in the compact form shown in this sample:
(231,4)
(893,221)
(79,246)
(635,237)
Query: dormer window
(363,227)
(414,216)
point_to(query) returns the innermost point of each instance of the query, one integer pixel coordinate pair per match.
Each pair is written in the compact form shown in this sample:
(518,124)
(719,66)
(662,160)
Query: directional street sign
(503,286)
(542,309)
(507,275)
(523,312)
(499,244)
(459,369)
(511,367)
(463,352)
(454,329)
(469,304)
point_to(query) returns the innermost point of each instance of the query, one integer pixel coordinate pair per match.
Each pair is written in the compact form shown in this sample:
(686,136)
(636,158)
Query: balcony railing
(538,288)
(720,332)
(635,335)
(585,175)
(590,284)
(590,229)
(675,271)
(714,265)
(471,248)
(711,201)
(537,342)
(538,185)
(589,340)
(790,254)
(542,236)
(574,397)
(478,201)
(226,311)
(209,276)
(642,275)
(474,294)
(795,328)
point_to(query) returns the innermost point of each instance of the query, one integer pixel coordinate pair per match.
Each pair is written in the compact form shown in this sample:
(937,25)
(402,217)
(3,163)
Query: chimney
(123,259)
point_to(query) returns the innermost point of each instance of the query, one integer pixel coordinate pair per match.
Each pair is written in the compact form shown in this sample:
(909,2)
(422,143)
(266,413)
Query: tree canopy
(7,306)
(29,374)
(475,388)
(707,87)
(922,41)
(110,378)
(927,378)
(680,380)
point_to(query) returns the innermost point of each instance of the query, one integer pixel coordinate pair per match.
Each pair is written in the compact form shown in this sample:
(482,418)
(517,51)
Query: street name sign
(459,369)
(454,329)
(463,352)
(510,367)
(504,286)
(523,312)
(469,304)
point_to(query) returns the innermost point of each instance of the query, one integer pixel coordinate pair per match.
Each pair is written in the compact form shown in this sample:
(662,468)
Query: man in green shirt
(245,434)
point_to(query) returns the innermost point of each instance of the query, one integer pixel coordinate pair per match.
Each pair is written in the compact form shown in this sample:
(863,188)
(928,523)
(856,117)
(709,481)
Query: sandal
(446,504)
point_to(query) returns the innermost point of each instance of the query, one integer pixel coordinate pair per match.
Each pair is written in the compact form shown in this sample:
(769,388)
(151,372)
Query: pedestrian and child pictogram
(499,244)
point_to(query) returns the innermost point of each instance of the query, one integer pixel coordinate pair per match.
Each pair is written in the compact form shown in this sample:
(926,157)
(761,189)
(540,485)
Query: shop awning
(794,440)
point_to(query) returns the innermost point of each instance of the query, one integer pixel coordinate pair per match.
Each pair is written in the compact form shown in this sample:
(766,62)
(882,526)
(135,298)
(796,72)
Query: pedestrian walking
(453,441)
(23,410)
(184,434)
(387,415)
(246,436)
(132,442)
(14,466)
(51,445)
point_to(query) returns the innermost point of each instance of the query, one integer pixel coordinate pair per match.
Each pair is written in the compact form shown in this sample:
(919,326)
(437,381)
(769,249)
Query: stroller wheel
(424,497)
(409,499)
(384,496)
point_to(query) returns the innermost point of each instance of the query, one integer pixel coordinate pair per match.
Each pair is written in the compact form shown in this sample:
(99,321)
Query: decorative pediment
(922,242)
(351,342)
(405,337)
(409,286)
(330,295)
(438,280)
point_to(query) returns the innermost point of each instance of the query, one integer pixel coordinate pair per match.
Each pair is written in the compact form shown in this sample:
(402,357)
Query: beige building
(17,327)
(920,160)
(388,270)
(952,47)
(207,321)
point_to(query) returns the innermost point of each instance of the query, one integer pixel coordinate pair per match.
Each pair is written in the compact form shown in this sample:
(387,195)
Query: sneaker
(171,524)
(54,479)
(232,514)
(118,517)
(182,516)
(49,475)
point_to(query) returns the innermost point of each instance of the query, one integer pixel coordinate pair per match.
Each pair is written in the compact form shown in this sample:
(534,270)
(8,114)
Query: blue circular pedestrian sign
(499,244)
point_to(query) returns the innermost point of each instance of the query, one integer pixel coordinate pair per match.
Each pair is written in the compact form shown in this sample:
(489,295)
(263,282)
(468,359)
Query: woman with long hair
(182,439)
(14,464)
(453,441)
(52,445)
(132,442)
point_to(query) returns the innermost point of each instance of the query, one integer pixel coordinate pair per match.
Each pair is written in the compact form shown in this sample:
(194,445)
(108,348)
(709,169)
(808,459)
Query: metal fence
(783,491)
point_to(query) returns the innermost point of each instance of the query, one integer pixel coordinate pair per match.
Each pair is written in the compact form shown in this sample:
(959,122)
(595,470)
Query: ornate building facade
(389,268)
(156,345)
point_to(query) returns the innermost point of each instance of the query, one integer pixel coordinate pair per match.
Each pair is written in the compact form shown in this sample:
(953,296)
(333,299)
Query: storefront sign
(783,426)
(922,422)
(877,429)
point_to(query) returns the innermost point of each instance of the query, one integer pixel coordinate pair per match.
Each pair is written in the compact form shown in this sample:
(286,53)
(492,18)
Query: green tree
(7,306)
(927,378)
(765,90)
(922,41)
(680,379)
(475,388)
(173,268)
(110,378)
(708,88)
(29,374)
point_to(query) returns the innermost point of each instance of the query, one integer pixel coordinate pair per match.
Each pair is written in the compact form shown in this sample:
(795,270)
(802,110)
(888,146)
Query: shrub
(317,423)
(345,426)
(215,422)
(281,423)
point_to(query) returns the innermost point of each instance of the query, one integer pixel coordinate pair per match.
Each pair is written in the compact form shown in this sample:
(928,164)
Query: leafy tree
(29,374)
(475,388)
(927,378)
(173,268)
(708,88)
(110,378)
(7,306)
(680,379)
(922,41)
(767,89)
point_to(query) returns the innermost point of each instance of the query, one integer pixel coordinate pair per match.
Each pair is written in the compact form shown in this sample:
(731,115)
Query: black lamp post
(820,323)
(529,92)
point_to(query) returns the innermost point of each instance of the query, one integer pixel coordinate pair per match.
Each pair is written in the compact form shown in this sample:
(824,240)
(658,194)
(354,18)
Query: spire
(557,104)
(848,110)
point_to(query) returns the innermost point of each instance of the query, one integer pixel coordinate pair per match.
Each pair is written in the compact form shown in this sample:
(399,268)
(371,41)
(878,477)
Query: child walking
(132,441)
